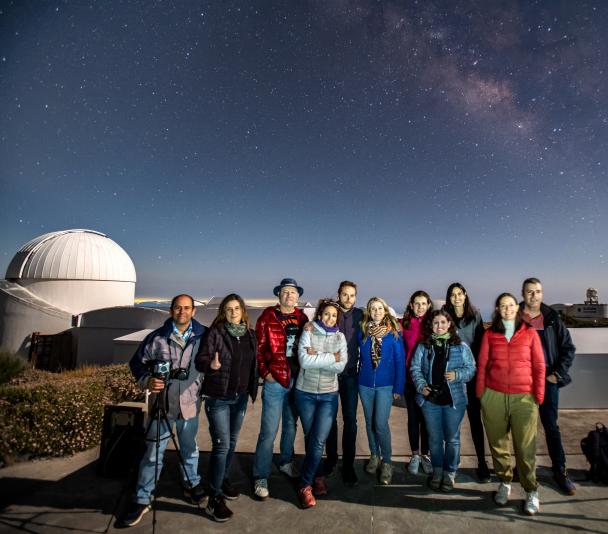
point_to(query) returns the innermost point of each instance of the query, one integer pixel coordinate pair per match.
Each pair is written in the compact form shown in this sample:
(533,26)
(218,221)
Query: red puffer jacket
(271,345)
(516,366)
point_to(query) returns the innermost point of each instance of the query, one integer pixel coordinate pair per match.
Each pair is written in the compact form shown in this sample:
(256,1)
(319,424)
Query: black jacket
(557,345)
(215,383)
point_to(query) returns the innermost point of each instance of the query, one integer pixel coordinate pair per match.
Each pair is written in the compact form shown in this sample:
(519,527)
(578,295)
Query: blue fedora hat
(287,282)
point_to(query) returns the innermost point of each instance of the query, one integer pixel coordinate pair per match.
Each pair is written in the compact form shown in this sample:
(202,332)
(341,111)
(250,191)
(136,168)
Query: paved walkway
(65,495)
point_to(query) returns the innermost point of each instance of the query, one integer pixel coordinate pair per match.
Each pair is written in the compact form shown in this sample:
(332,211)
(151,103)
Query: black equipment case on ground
(121,439)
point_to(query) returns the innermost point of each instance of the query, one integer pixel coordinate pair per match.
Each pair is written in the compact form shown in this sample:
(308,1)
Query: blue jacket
(460,359)
(390,371)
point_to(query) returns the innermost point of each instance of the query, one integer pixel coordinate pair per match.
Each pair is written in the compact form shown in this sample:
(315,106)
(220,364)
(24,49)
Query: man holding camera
(164,365)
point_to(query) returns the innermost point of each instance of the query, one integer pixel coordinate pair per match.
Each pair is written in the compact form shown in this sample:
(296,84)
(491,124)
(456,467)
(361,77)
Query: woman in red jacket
(511,386)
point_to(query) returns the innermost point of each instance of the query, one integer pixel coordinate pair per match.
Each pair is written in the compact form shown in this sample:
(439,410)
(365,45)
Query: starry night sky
(227,144)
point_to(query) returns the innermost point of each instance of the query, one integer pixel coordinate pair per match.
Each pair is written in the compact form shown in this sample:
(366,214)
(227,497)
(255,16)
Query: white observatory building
(60,275)
(75,270)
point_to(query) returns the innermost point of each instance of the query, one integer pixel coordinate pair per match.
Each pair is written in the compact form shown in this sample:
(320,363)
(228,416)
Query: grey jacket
(319,372)
(182,395)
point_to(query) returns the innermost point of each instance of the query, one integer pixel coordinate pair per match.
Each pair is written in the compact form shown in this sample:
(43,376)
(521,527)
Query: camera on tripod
(161,369)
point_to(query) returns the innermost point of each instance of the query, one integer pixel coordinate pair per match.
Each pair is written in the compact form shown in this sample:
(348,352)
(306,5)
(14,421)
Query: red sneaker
(307,499)
(320,486)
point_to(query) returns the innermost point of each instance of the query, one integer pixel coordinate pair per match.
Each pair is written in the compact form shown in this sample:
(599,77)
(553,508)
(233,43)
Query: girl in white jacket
(323,355)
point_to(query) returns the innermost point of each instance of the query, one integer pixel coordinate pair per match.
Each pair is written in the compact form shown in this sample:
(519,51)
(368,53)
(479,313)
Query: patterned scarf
(236,330)
(376,332)
(441,339)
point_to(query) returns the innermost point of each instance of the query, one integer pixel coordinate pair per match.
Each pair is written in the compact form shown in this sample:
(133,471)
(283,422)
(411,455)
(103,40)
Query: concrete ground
(66,494)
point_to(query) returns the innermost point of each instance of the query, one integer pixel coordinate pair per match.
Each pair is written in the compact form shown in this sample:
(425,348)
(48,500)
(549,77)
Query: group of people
(443,361)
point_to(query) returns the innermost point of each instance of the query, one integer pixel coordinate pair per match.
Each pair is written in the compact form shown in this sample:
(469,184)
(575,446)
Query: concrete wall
(19,318)
(589,372)
(125,346)
(98,329)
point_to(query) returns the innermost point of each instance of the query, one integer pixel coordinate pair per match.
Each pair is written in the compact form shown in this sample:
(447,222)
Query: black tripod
(159,414)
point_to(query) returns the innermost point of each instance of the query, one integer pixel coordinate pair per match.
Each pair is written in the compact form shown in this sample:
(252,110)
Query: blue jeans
(186,430)
(416,426)
(377,404)
(225,418)
(317,412)
(443,426)
(349,398)
(277,403)
(548,416)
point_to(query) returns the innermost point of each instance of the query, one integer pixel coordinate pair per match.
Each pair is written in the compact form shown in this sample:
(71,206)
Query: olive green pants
(516,413)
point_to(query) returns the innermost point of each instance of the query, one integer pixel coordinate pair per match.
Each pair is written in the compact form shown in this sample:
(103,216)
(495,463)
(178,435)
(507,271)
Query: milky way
(227,144)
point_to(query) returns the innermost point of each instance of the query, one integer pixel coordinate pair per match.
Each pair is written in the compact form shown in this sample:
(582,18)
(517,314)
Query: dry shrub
(54,414)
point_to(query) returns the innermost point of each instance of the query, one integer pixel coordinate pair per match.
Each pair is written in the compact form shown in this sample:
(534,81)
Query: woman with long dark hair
(227,357)
(381,379)
(469,326)
(323,354)
(511,386)
(441,366)
(416,313)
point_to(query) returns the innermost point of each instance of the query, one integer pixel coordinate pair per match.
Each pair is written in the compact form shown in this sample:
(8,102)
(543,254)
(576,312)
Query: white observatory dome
(75,270)
(71,255)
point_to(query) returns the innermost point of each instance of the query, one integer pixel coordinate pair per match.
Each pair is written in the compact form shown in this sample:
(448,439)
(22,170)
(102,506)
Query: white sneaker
(502,495)
(260,489)
(290,470)
(412,469)
(427,466)
(532,504)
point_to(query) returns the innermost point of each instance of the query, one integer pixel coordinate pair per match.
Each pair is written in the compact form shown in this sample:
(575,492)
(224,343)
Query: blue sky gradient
(225,145)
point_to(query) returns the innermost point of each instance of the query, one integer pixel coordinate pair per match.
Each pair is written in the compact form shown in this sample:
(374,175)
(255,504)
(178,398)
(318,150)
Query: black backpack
(595,448)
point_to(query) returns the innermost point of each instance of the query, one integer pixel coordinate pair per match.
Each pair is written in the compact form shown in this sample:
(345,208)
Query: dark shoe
(436,478)
(133,514)
(216,508)
(349,477)
(197,495)
(386,474)
(483,473)
(372,464)
(229,491)
(320,487)
(329,467)
(563,481)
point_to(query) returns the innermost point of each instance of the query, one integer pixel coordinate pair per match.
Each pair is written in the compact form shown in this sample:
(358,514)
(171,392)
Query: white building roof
(72,255)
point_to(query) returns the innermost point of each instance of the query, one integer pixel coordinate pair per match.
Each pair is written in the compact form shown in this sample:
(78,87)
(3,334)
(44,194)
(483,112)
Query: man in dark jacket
(176,342)
(277,332)
(559,353)
(348,381)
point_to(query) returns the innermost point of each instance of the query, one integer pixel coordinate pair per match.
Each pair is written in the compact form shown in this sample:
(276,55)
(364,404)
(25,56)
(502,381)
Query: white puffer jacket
(319,372)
